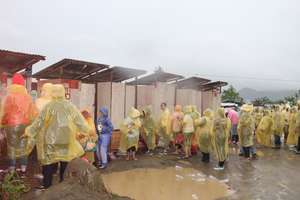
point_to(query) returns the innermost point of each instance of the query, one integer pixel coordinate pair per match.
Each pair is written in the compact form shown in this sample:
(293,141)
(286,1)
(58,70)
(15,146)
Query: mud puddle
(174,183)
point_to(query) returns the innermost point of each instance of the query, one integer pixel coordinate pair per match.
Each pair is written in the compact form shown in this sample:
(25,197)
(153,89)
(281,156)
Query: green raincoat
(148,125)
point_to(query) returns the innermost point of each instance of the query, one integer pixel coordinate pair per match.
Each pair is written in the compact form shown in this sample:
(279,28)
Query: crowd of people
(61,133)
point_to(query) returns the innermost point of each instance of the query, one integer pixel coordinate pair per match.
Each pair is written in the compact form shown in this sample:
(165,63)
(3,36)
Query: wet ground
(274,175)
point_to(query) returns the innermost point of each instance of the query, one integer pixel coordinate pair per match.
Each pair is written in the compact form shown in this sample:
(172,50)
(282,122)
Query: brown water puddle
(175,183)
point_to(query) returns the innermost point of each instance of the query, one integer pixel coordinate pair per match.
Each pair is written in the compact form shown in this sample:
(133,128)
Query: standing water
(171,183)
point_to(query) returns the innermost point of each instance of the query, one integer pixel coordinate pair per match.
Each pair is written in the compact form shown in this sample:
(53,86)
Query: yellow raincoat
(46,96)
(130,131)
(297,124)
(292,140)
(258,115)
(203,131)
(220,135)
(55,130)
(148,126)
(279,122)
(188,126)
(264,130)
(90,139)
(164,126)
(246,127)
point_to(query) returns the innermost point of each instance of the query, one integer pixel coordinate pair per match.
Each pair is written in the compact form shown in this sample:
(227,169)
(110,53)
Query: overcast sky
(215,39)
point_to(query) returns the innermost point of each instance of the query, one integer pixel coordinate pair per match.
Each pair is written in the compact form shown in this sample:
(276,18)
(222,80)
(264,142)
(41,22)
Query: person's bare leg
(133,156)
(128,156)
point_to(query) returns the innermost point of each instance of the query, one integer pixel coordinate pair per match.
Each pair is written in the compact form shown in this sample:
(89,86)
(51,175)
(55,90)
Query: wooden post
(175,100)
(125,91)
(136,93)
(96,102)
(111,87)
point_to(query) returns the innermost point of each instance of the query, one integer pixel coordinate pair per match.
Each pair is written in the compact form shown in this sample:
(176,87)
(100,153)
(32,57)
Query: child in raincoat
(203,132)
(88,143)
(148,126)
(220,135)
(164,126)
(17,112)
(246,128)
(188,130)
(130,132)
(105,129)
(54,133)
(176,125)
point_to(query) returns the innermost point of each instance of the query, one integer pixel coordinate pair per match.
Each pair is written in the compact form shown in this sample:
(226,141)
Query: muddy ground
(274,175)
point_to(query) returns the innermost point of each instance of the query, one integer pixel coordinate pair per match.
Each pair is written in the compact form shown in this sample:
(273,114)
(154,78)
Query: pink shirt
(233,116)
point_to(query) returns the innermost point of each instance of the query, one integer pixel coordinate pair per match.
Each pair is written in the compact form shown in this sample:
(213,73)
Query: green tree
(232,95)
(292,100)
(262,101)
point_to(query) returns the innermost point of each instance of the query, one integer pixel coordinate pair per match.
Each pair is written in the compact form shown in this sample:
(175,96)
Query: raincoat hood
(104,112)
(208,113)
(134,113)
(147,111)
(188,109)
(247,108)
(221,112)
(58,91)
(47,90)
(194,108)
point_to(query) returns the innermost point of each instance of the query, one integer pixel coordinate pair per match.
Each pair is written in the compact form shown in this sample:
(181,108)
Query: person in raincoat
(46,96)
(105,129)
(195,141)
(188,130)
(286,115)
(297,128)
(246,129)
(54,133)
(203,132)
(17,112)
(220,135)
(88,143)
(264,129)
(234,119)
(258,115)
(278,126)
(176,127)
(130,132)
(292,140)
(148,127)
(164,126)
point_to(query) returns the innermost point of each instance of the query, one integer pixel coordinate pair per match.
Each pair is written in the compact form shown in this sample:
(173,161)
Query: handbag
(90,146)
